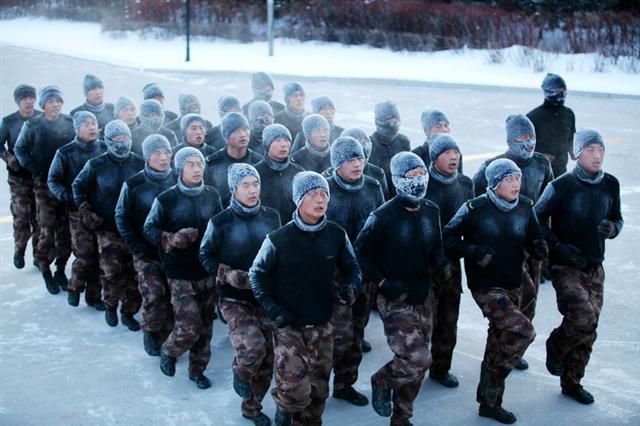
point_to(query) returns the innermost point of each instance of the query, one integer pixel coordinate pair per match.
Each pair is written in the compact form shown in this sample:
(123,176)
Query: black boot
(131,323)
(259,420)
(111,317)
(351,395)
(95,304)
(243,389)
(447,379)
(554,364)
(580,394)
(50,282)
(282,418)
(36,263)
(18,260)
(366,347)
(200,380)
(497,413)
(73,298)
(151,344)
(61,279)
(167,364)
(522,365)
(381,400)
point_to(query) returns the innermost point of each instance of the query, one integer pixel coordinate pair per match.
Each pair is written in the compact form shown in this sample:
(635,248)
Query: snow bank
(512,67)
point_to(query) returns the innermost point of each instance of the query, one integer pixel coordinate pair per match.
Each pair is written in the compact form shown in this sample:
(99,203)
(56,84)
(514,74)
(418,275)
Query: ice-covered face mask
(556,97)
(152,121)
(259,124)
(119,148)
(524,149)
(389,129)
(412,188)
(264,93)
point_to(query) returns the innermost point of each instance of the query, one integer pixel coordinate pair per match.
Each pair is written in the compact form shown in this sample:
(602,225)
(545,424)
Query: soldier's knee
(585,319)
(422,359)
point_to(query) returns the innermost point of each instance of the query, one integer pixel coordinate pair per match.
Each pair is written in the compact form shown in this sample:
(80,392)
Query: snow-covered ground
(313,59)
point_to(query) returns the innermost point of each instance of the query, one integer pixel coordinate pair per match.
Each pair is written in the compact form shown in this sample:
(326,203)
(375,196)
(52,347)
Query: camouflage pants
(251,335)
(579,296)
(349,323)
(23,210)
(85,269)
(54,240)
(510,334)
(119,276)
(444,299)
(193,309)
(531,271)
(157,314)
(303,358)
(407,328)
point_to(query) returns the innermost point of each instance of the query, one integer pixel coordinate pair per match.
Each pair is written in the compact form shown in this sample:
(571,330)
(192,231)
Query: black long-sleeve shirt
(275,188)
(382,151)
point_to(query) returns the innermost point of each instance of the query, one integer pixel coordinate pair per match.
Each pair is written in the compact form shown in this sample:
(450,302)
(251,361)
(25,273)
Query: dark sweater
(275,188)
(382,151)
(449,197)
(10,127)
(216,170)
(309,160)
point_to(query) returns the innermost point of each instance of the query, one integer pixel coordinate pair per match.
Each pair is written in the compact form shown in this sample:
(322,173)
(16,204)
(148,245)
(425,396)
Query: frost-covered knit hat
(500,169)
(432,116)
(289,89)
(440,143)
(585,137)
(149,109)
(91,82)
(189,104)
(153,143)
(344,149)
(518,125)
(273,132)
(227,104)
(119,149)
(259,81)
(186,121)
(552,83)
(23,91)
(238,171)
(385,111)
(232,122)
(152,90)
(182,155)
(80,117)
(49,92)
(312,122)
(122,103)
(361,136)
(318,103)
(412,188)
(306,181)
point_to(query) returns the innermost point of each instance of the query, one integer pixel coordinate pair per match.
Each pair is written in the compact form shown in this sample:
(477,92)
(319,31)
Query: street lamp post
(188,19)
(270,25)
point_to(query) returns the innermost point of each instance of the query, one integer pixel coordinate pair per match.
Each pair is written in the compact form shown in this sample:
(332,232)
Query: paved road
(63,365)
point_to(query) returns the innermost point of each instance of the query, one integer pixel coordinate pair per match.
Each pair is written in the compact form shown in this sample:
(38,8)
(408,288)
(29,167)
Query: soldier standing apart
(387,140)
(398,247)
(448,189)
(584,208)
(94,92)
(95,192)
(353,197)
(555,124)
(35,148)
(136,197)
(176,223)
(492,232)
(67,164)
(230,244)
(23,203)
(292,279)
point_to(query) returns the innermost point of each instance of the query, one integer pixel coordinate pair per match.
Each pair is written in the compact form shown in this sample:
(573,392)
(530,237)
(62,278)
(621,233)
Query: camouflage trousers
(23,210)
(579,295)
(251,335)
(157,314)
(531,271)
(349,323)
(193,310)
(444,299)
(85,269)
(54,239)
(407,328)
(510,334)
(303,359)
(119,283)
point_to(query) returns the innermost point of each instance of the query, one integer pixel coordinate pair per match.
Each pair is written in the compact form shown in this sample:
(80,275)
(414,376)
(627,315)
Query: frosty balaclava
(430,117)
(362,137)
(235,173)
(151,114)
(228,104)
(410,189)
(232,122)
(49,92)
(310,123)
(497,171)
(581,140)
(23,91)
(260,116)
(189,104)
(118,149)
(384,112)
(518,125)
(554,89)
(303,183)
(259,83)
